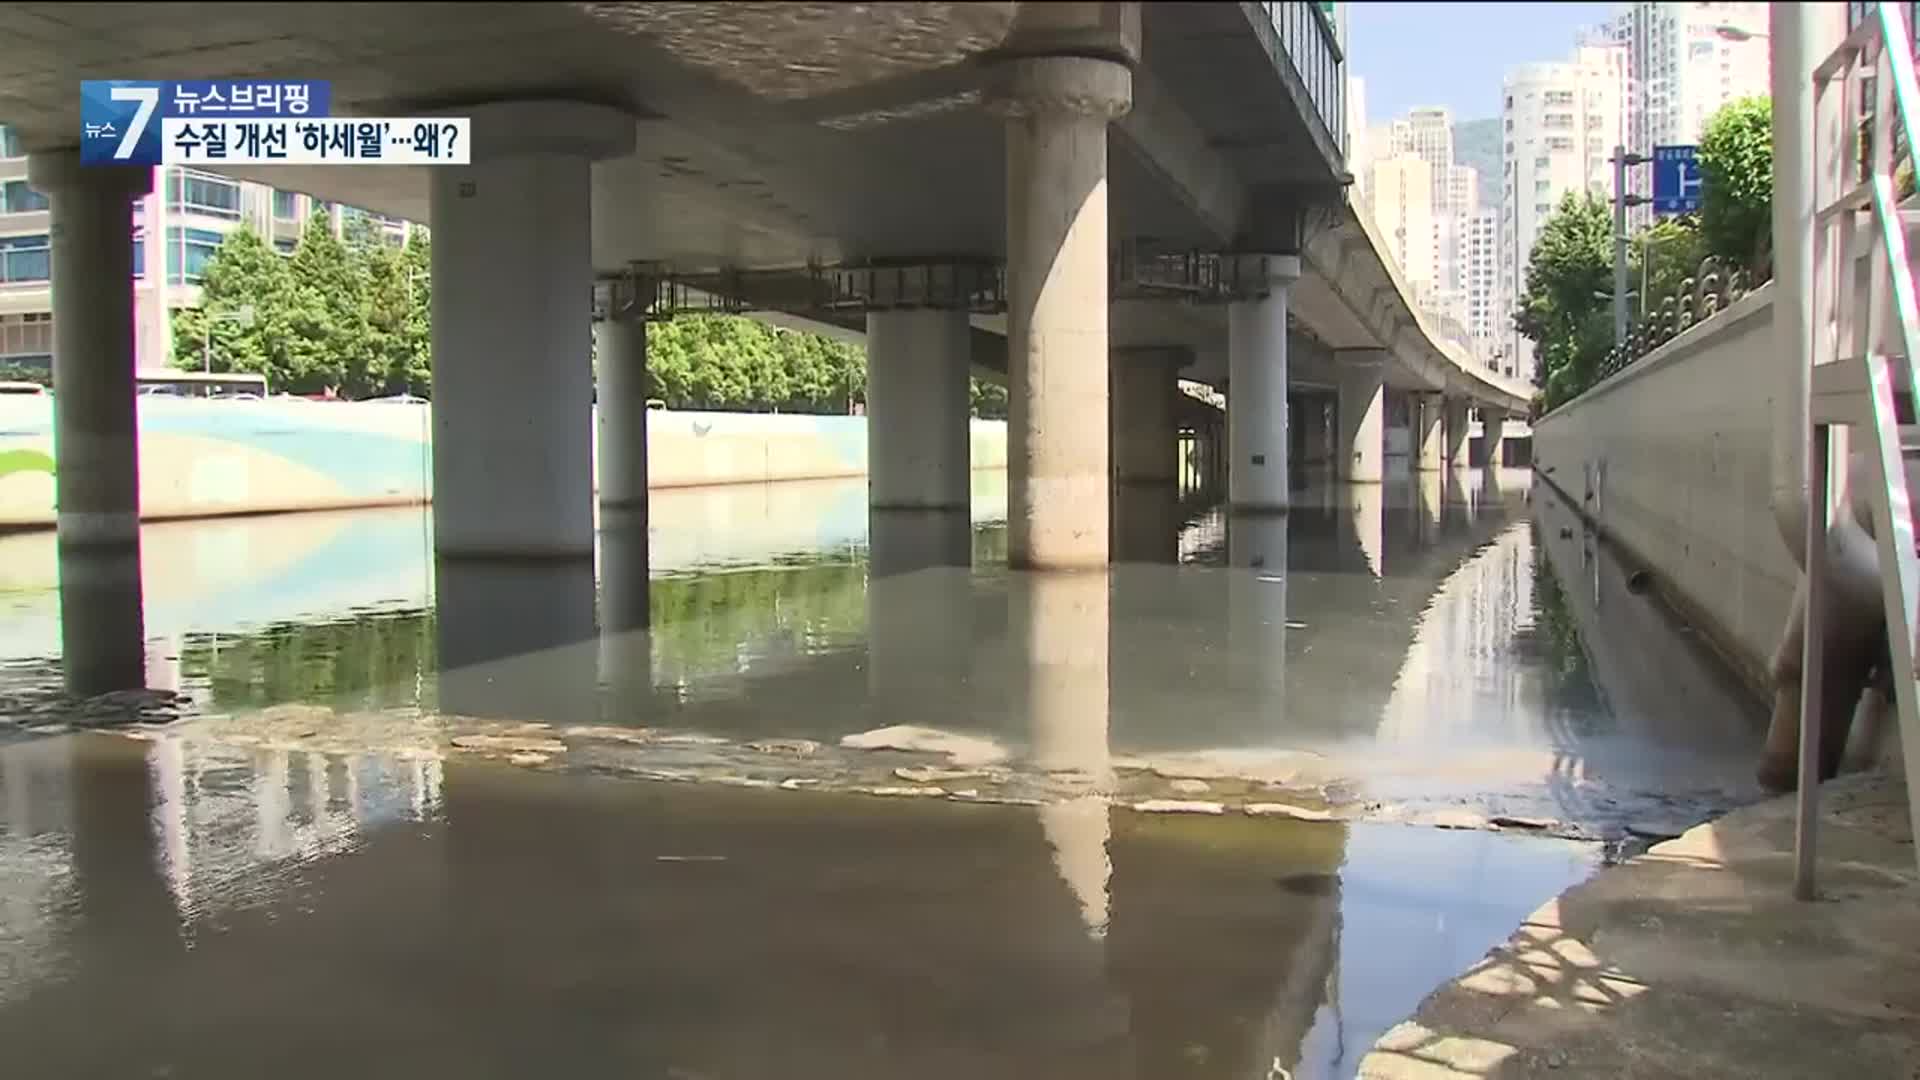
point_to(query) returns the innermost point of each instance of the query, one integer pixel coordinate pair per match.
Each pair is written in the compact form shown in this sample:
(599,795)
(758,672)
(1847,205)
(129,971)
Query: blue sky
(1454,54)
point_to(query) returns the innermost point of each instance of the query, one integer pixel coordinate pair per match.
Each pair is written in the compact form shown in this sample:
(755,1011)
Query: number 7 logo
(149,99)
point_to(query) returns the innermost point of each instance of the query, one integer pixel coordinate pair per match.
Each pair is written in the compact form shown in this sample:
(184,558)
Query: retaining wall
(211,458)
(1671,460)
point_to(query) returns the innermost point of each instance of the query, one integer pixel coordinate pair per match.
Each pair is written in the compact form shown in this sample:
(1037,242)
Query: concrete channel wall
(210,458)
(1670,460)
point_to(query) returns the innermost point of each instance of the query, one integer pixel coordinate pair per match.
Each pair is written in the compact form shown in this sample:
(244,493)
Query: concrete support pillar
(1315,439)
(1058,109)
(512,311)
(1257,437)
(918,454)
(1424,414)
(95,433)
(1362,417)
(1455,419)
(1146,467)
(621,413)
(1145,433)
(1493,437)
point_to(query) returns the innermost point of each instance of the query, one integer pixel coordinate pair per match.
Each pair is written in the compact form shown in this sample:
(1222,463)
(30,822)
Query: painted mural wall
(209,458)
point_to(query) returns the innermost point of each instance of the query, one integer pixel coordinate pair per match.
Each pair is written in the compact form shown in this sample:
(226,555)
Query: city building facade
(1561,122)
(188,212)
(1684,61)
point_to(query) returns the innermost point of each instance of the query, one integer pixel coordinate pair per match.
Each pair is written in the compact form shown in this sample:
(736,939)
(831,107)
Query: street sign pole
(1622,200)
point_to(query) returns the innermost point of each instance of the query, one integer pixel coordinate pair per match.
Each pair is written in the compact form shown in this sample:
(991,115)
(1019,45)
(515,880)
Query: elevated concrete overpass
(1091,197)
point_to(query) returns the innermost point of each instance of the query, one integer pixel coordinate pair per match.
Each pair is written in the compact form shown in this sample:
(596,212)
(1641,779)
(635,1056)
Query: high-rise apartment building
(1684,61)
(1561,122)
(1359,148)
(1435,266)
(1402,188)
(191,212)
(1486,323)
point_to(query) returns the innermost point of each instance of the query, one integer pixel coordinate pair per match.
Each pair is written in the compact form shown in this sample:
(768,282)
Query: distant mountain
(1477,143)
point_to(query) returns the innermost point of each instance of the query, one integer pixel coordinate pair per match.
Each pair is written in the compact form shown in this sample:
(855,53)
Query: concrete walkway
(1693,960)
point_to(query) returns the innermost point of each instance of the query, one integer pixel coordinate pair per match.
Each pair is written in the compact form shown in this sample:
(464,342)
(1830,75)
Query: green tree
(1665,255)
(1566,309)
(244,272)
(331,347)
(1736,178)
(989,399)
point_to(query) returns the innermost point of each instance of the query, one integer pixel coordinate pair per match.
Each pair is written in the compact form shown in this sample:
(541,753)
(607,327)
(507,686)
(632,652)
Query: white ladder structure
(1865,347)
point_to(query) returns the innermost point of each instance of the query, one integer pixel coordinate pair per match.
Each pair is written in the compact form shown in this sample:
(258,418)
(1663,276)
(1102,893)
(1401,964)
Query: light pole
(244,317)
(1622,200)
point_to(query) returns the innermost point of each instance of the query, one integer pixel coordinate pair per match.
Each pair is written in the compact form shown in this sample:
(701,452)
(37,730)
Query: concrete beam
(1174,149)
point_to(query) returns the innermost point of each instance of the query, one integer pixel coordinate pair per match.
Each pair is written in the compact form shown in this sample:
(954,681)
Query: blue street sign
(1676,179)
(120,118)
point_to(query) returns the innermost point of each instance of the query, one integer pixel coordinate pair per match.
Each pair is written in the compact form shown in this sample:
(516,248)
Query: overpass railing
(1312,45)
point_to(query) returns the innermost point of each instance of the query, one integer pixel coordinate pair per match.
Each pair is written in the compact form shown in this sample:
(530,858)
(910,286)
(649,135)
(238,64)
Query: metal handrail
(1312,46)
(1886,41)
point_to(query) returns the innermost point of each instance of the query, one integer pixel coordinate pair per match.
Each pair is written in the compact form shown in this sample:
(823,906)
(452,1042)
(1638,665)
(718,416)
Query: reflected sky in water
(414,787)
(1405,646)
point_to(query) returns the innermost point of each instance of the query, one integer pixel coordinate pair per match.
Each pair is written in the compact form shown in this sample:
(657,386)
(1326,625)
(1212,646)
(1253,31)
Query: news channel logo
(252,122)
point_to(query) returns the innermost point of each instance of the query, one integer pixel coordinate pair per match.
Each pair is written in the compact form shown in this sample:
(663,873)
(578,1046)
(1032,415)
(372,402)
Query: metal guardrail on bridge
(1312,43)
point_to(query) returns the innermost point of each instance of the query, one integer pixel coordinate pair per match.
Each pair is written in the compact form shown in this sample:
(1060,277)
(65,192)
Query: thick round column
(1257,437)
(95,433)
(1493,437)
(512,315)
(1456,432)
(621,413)
(1362,419)
(1423,412)
(918,453)
(1058,109)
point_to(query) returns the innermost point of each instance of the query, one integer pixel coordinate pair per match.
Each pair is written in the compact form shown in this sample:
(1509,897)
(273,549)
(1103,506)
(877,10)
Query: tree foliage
(1665,255)
(1565,310)
(1736,173)
(353,315)
(340,316)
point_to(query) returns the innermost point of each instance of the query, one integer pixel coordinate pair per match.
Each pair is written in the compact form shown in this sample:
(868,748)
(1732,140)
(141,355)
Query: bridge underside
(1145,191)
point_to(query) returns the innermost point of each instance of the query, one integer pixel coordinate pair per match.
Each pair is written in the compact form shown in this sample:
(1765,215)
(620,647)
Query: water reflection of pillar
(503,629)
(626,647)
(126,914)
(1367,520)
(102,623)
(920,615)
(1257,611)
(1065,620)
(1491,492)
(1429,495)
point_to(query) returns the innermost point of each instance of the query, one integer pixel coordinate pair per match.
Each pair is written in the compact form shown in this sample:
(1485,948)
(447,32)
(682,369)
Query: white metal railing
(1879,358)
